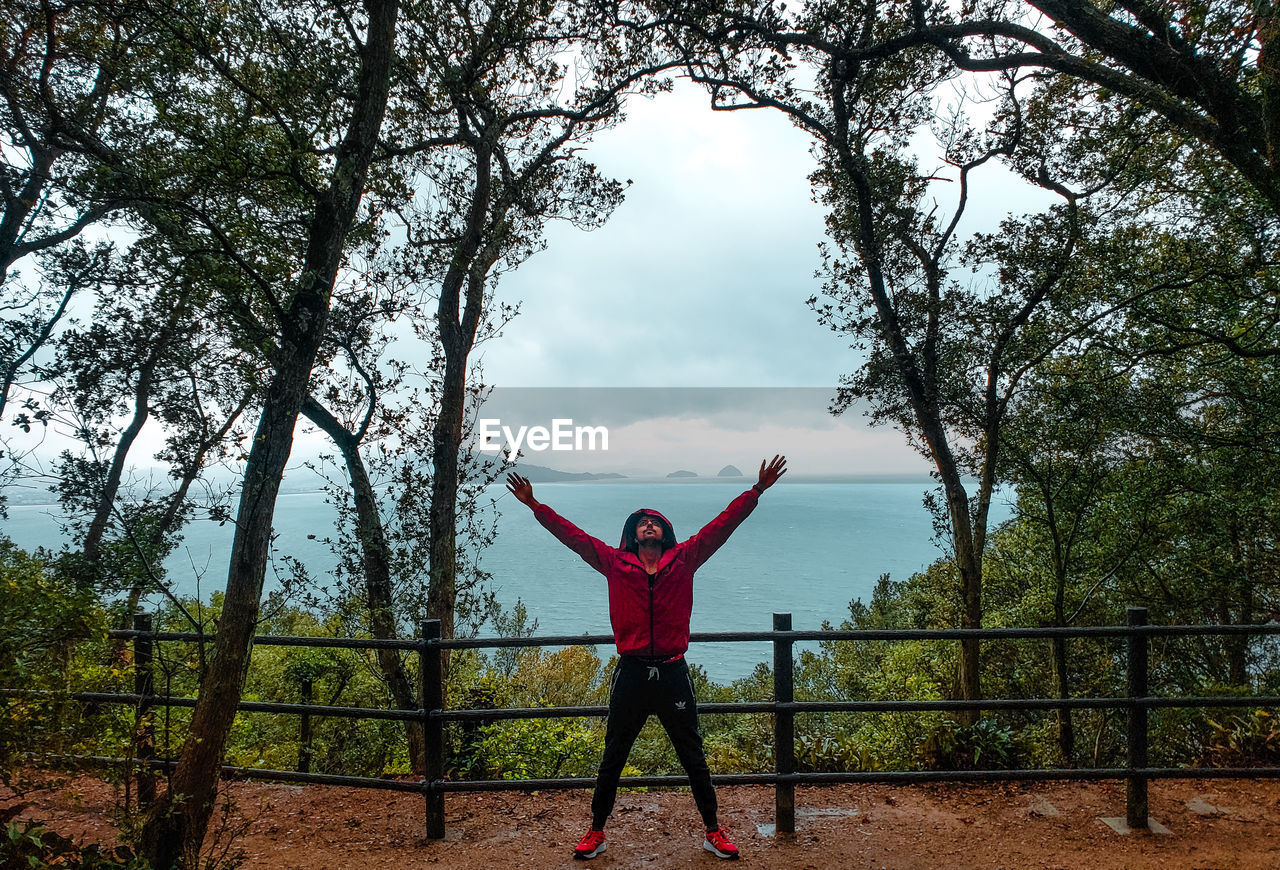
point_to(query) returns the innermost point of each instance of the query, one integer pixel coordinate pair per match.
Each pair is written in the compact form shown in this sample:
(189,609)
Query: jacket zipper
(653,578)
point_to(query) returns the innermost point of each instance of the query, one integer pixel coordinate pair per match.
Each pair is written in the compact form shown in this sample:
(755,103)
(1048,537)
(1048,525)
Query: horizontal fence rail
(434,786)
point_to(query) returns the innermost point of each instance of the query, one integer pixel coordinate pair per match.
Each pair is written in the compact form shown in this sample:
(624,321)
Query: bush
(53,642)
(1243,740)
(30,844)
(986,745)
(541,748)
(528,748)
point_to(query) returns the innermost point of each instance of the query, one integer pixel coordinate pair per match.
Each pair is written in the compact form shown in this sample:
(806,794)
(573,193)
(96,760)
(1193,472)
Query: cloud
(652,432)
(698,279)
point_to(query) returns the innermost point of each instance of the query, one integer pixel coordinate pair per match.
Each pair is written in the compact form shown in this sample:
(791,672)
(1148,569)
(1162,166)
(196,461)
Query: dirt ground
(1211,824)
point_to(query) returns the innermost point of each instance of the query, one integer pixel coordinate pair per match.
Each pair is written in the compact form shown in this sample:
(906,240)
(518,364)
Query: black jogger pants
(639,688)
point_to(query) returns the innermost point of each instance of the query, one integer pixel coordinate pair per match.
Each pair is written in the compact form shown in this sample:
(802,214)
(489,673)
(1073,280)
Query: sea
(808,549)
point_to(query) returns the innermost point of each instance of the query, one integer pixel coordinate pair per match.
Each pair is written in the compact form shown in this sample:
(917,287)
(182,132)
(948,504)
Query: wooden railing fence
(1137,701)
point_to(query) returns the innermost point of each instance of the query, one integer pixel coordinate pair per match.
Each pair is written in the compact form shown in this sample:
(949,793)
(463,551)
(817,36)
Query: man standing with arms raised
(650,580)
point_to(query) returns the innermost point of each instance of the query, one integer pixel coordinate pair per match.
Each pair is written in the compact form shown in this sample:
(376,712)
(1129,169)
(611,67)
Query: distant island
(542,474)
(682,474)
(729,471)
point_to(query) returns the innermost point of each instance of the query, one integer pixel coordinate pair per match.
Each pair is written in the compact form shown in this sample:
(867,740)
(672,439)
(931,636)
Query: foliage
(52,642)
(541,748)
(278,674)
(576,676)
(31,844)
(986,744)
(152,353)
(251,157)
(1244,740)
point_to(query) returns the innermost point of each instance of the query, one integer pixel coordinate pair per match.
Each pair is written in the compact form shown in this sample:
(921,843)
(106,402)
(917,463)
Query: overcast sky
(651,432)
(698,280)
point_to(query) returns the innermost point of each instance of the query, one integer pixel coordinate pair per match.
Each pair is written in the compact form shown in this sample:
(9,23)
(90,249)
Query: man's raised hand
(769,474)
(522,489)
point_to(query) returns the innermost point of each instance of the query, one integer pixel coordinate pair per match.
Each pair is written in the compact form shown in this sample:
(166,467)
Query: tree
(265,68)
(64,70)
(379,425)
(150,356)
(944,356)
(63,67)
(1210,70)
(1063,453)
(473,95)
(117,344)
(354,413)
(1123,450)
(520,86)
(33,315)
(254,134)
(31,318)
(489,131)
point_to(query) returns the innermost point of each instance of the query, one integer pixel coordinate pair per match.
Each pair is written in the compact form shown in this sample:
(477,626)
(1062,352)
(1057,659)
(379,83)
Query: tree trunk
(446,441)
(141,412)
(376,563)
(174,830)
(1238,645)
(921,388)
(969,566)
(1065,724)
(92,549)
(457,321)
(13,220)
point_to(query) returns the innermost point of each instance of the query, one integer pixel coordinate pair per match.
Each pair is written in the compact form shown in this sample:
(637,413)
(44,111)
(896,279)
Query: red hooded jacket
(650,614)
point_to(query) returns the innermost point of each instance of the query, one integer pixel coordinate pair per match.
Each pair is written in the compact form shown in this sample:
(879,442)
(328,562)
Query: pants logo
(679,705)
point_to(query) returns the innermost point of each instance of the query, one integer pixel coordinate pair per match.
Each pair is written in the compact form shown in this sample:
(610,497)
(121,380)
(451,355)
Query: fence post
(784,734)
(1136,809)
(431,676)
(304,729)
(144,718)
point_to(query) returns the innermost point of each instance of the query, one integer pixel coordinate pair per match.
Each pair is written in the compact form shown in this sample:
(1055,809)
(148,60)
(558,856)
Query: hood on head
(629,542)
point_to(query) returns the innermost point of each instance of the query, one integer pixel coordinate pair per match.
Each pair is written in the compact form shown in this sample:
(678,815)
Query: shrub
(53,641)
(30,844)
(541,748)
(988,744)
(1243,740)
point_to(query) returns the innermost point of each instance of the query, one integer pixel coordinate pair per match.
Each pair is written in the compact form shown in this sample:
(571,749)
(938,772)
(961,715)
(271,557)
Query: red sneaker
(590,846)
(719,844)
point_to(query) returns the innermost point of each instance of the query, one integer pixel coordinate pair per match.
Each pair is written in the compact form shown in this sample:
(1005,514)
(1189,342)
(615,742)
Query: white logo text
(562,435)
